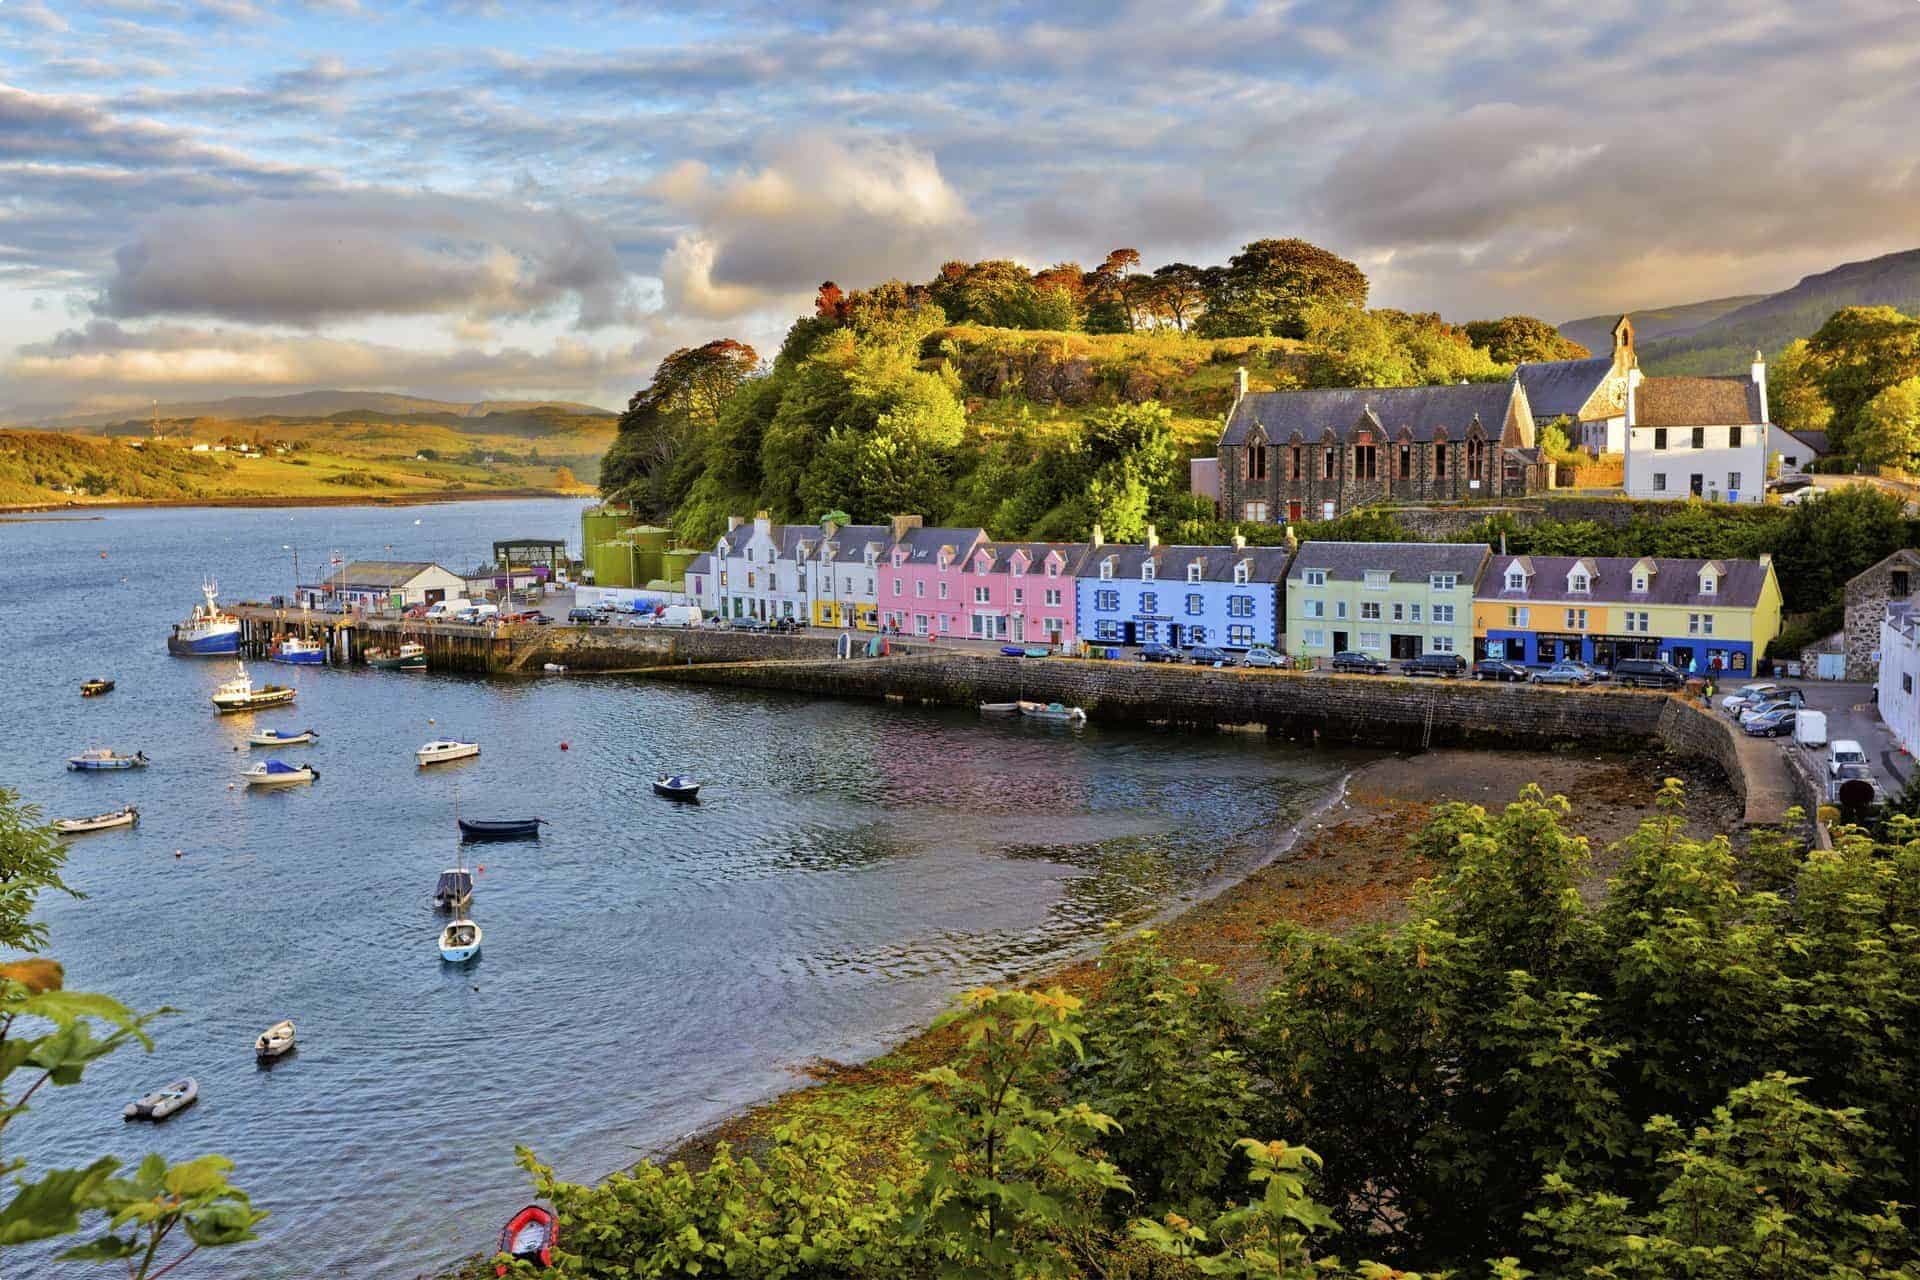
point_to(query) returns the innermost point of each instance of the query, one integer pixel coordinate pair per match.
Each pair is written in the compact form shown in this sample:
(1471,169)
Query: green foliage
(1517,339)
(31,856)
(1794,394)
(1355,348)
(1269,1238)
(1271,286)
(1856,354)
(1888,431)
(194,1199)
(1829,539)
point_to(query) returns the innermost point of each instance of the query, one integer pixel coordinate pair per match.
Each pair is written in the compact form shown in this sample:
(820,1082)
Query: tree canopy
(1516,339)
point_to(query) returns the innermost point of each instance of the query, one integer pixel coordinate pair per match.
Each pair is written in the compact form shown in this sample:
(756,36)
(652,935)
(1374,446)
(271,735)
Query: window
(1017,567)
(1316,577)
(1659,482)
(1256,462)
(1053,568)
(1378,579)
(1699,624)
(1699,437)
(1106,569)
(1659,437)
(1240,574)
(1313,609)
(1443,581)
(1193,573)
(1369,611)
(1107,601)
(1107,629)
(1733,437)
(1638,621)
(1196,604)
(1516,579)
(1339,608)
(1733,482)
(1440,644)
(1440,460)
(749,579)
(870,590)
(1576,619)
(1906,682)
(1147,571)
(1256,512)
(1196,635)
(1519,617)
(1416,612)
(1406,461)
(1366,462)
(1149,602)
(1294,471)
(943,591)
(898,586)
(1443,615)
(1399,612)
(981,595)
(1313,637)
(943,622)
(1240,636)
(1476,459)
(1898,584)
(1053,596)
(1239,606)
(1579,583)
(1640,583)
(1369,640)
(1709,584)
(1019,596)
(1150,631)
(920,589)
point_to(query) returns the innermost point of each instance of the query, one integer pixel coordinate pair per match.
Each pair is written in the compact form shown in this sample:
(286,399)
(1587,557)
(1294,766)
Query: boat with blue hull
(303,653)
(209,631)
(105,760)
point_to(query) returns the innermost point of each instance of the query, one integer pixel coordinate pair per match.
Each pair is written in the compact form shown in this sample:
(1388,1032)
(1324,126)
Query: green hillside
(1596,332)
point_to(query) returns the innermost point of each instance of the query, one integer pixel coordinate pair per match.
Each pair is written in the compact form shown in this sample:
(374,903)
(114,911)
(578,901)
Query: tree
(1176,294)
(1516,339)
(1131,457)
(563,478)
(1888,431)
(1270,286)
(1858,353)
(1794,398)
(1110,293)
(667,415)
(1829,539)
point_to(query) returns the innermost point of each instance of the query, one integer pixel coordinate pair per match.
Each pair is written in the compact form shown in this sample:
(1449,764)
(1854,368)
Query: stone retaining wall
(625,648)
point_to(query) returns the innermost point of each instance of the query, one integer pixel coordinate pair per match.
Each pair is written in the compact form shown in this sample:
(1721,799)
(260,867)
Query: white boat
(164,1101)
(275,1040)
(126,817)
(278,773)
(999,708)
(105,760)
(1054,712)
(557,668)
(454,890)
(239,694)
(278,738)
(209,630)
(299,652)
(441,750)
(459,941)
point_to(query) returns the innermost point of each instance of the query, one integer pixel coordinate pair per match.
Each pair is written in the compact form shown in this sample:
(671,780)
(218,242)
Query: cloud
(308,260)
(816,207)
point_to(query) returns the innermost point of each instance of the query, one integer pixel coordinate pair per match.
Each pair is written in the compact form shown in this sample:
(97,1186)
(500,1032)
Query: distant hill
(317,404)
(1720,336)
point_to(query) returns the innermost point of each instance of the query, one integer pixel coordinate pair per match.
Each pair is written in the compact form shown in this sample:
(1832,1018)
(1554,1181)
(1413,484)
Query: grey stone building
(1868,594)
(1591,392)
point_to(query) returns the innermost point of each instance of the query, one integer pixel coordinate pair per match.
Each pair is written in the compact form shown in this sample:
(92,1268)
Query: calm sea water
(647,969)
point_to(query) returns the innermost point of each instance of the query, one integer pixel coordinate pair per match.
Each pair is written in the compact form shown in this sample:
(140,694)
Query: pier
(450,646)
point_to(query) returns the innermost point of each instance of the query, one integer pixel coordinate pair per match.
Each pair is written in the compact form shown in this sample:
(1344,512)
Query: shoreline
(410,498)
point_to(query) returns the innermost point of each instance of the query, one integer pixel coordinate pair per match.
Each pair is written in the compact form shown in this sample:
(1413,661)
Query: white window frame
(1314,577)
(1443,615)
(1516,580)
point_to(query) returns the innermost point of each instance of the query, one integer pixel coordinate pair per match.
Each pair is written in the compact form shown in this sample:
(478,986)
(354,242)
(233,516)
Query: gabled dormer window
(1241,572)
(1516,580)
(1193,572)
(1146,571)
(982,562)
(1106,569)
(1640,583)
(872,557)
(1709,584)
(1053,566)
(1579,583)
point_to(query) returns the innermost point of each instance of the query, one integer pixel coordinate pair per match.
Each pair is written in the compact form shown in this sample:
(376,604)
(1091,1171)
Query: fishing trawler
(208,631)
(240,693)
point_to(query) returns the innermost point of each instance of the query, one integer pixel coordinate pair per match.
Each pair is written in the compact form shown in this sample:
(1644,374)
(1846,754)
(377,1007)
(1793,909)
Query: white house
(1898,688)
(1698,437)
(843,574)
(381,584)
(759,569)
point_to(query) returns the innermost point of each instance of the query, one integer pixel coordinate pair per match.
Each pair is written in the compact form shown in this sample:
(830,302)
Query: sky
(471,200)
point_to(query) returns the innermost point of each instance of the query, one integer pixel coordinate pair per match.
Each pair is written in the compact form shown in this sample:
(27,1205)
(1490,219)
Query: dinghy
(164,1101)
(999,708)
(278,773)
(275,1041)
(441,750)
(459,941)
(1053,712)
(500,828)
(105,759)
(239,694)
(94,688)
(126,817)
(529,1236)
(454,890)
(676,786)
(276,738)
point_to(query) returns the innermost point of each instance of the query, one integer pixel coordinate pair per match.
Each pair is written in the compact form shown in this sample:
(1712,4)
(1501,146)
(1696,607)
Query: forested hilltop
(1029,403)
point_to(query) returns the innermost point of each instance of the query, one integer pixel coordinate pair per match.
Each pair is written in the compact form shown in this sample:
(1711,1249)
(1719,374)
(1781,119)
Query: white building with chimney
(1698,437)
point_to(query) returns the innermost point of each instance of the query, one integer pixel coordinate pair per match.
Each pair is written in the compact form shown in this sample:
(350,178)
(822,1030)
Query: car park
(1444,666)
(1206,655)
(1774,722)
(1500,669)
(1772,704)
(1157,653)
(1261,656)
(1353,662)
(1650,673)
(1747,695)
(1576,673)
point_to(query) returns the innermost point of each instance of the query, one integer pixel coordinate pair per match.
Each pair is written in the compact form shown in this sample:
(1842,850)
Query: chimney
(1503,542)
(1293,539)
(1240,382)
(1153,537)
(763,522)
(1239,540)
(1099,538)
(903,523)
(734,522)
(1760,381)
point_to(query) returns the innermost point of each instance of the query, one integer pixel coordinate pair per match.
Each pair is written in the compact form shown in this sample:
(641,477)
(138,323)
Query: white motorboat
(1053,712)
(105,760)
(239,693)
(441,750)
(999,708)
(278,773)
(276,738)
(126,817)
(459,941)
(164,1101)
(275,1040)
(454,890)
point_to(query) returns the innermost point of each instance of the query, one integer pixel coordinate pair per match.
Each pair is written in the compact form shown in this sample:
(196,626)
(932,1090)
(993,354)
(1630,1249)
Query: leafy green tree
(1130,458)
(666,418)
(1387,348)
(1888,431)
(1858,353)
(1794,396)
(1827,540)
(1516,339)
(1271,286)
(1267,1239)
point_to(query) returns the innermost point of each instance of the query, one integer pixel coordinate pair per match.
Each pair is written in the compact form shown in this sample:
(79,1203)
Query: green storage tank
(674,562)
(603,548)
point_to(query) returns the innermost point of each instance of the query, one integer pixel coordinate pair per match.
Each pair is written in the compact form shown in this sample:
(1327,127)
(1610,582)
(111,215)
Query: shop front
(1703,655)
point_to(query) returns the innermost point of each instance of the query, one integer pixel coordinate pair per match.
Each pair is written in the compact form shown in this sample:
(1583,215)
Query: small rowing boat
(164,1101)
(676,786)
(276,738)
(441,750)
(104,760)
(94,688)
(239,694)
(278,773)
(529,1236)
(500,828)
(453,890)
(999,708)
(126,817)
(275,1041)
(459,941)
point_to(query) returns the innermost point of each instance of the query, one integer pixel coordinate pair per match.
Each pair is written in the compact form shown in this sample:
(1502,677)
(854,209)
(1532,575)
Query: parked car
(1776,722)
(1261,656)
(1844,752)
(586,616)
(1157,653)
(1499,669)
(1793,703)
(1563,673)
(1354,662)
(1650,673)
(1445,666)
(1747,695)
(1205,655)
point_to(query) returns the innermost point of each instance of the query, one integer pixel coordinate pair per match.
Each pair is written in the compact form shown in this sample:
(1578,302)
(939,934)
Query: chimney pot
(1240,381)
(1153,537)
(734,522)
(1239,541)
(1099,537)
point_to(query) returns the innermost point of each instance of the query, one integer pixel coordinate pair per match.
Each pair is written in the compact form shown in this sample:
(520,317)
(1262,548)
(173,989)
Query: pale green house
(1390,600)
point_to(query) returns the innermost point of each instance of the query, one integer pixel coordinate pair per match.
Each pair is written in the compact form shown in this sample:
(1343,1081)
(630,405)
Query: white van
(680,615)
(1843,752)
(445,608)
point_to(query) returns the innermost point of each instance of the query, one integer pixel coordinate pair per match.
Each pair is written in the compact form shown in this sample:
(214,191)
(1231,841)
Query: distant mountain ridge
(317,404)
(1721,336)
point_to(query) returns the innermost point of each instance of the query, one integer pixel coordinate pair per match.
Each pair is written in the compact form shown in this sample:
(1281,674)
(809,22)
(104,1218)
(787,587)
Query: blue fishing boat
(304,653)
(208,631)
(101,759)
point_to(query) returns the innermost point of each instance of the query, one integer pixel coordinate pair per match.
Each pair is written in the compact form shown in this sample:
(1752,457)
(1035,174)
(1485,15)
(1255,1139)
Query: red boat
(529,1236)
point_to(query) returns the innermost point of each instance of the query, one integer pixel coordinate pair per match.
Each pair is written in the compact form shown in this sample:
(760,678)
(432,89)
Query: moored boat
(410,656)
(105,760)
(126,817)
(95,687)
(676,786)
(999,708)
(275,1041)
(209,631)
(298,652)
(459,941)
(500,828)
(1053,712)
(277,738)
(529,1236)
(278,773)
(454,889)
(239,693)
(441,750)
(164,1101)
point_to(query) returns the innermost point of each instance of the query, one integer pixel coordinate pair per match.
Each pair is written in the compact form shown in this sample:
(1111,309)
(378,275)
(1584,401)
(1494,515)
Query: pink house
(921,587)
(1022,591)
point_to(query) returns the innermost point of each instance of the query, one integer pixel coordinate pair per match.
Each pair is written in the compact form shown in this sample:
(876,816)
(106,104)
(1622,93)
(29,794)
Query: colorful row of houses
(1392,599)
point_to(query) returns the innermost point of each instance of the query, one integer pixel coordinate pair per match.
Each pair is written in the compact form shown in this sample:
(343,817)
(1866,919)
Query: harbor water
(648,967)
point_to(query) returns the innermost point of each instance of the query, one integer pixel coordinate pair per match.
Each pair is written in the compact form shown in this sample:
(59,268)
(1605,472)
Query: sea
(648,968)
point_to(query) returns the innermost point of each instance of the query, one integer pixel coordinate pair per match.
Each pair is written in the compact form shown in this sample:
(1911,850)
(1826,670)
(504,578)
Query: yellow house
(1700,615)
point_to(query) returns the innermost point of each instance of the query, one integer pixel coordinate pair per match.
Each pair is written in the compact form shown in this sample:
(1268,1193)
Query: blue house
(1227,596)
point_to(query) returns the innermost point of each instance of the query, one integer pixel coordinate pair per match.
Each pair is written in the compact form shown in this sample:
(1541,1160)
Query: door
(1695,484)
(1293,513)
(1682,657)
(1404,647)
(1830,666)
(1129,633)
(1339,642)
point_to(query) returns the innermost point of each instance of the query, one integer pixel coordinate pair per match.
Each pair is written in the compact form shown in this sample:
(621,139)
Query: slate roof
(702,563)
(1266,564)
(1696,402)
(851,541)
(1420,410)
(1070,552)
(384,573)
(923,545)
(1556,387)
(1408,561)
(1674,582)
(1814,440)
